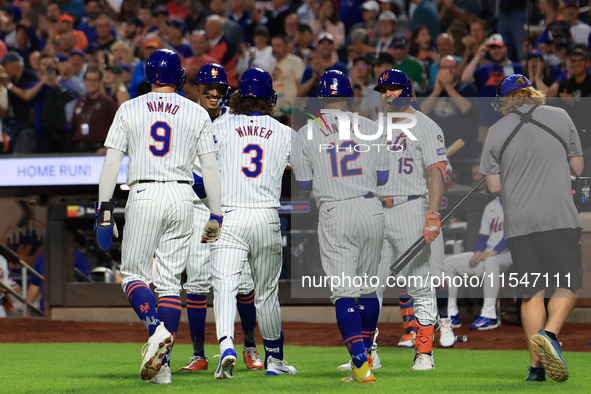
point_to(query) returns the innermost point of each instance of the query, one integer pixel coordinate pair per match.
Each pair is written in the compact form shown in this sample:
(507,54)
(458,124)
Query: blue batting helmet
(256,82)
(164,68)
(399,79)
(212,73)
(334,83)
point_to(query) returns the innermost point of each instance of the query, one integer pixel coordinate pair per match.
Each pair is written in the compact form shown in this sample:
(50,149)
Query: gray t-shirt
(535,174)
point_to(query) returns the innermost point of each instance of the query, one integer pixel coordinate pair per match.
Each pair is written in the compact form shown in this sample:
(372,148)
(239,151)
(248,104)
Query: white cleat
(279,367)
(226,365)
(154,351)
(162,377)
(423,362)
(446,333)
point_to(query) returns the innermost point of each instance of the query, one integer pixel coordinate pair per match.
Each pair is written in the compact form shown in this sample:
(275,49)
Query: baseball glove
(105,227)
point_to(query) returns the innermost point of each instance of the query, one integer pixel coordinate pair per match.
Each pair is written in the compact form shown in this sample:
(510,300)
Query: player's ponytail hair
(249,105)
(518,97)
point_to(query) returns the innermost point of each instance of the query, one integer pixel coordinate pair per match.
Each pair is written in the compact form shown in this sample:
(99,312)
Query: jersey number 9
(160,133)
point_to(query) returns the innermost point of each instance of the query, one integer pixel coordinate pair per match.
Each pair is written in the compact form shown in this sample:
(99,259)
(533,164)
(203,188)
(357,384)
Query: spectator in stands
(177,30)
(488,76)
(67,77)
(426,14)
(122,53)
(245,14)
(360,75)
(305,12)
(477,36)
(445,45)
(8,26)
(147,17)
(302,46)
(232,31)
(386,32)
(161,16)
(75,8)
(323,60)
(93,116)
(580,31)
(88,26)
(511,25)
(78,64)
(177,10)
(133,32)
(412,67)
(552,14)
(199,47)
(371,12)
(421,47)
(65,44)
(104,32)
(126,73)
(149,45)
(464,11)
(447,105)
(261,54)
(223,50)
(113,85)
(22,79)
(292,23)
(38,8)
(287,73)
(51,125)
(275,18)
(25,47)
(537,72)
(359,46)
(327,20)
(198,16)
(5,301)
(349,13)
(65,25)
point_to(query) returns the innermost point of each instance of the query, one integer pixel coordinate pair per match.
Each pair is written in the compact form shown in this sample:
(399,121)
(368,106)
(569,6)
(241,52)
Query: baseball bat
(410,254)
(456,146)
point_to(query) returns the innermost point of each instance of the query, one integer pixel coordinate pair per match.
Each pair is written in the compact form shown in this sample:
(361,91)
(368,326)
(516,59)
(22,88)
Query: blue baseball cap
(180,25)
(534,53)
(509,84)
(76,52)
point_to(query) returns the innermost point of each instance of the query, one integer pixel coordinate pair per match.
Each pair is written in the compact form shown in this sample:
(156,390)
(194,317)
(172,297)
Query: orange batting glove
(432,227)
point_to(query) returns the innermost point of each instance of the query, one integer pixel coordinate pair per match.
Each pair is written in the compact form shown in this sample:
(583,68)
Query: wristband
(9,86)
(217,218)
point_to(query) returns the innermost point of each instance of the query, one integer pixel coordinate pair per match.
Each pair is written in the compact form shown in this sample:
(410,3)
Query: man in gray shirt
(531,173)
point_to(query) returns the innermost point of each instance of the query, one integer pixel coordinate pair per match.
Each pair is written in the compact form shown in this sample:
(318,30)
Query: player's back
(253,152)
(342,169)
(160,132)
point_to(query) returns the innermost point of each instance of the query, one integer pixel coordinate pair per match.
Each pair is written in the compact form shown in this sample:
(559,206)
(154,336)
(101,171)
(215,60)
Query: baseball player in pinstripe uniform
(213,87)
(162,133)
(491,257)
(255,150)
(351,223)
(411,199)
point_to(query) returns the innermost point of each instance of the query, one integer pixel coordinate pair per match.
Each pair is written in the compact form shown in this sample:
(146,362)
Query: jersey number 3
(256,160)
(160,133)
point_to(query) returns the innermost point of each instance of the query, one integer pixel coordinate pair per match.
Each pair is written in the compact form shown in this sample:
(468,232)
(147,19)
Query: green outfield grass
(109,367)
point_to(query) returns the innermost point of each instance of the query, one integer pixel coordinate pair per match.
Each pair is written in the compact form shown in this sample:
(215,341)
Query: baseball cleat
(196,363)
(376,363)
(549,352)
(408,340)
(252,359)
(346,367)
(539,376)
(455,321)
(154,351)
(279,367)
(164,376)
(225,369)
(483,323)
(423,362)
(363,374)
(446,333)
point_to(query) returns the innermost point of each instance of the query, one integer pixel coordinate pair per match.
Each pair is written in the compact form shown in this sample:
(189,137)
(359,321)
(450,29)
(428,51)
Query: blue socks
(349,322)
(274,348)
(442,298)
(196,313)
(142,300)
(248,317)
(369,311)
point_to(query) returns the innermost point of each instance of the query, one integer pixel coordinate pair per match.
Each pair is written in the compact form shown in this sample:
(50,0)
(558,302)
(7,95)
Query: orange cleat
(251,359)
(196,363)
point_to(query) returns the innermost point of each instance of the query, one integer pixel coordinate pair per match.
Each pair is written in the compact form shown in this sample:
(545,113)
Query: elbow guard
(198,186)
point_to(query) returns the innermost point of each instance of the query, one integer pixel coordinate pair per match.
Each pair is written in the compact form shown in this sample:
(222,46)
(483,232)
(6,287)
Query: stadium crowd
(67,65)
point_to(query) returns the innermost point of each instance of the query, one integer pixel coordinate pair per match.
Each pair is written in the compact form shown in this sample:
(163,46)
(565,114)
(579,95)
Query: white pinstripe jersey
(223,114)
(492,223)
(162,133)
(408,171)
(253,152)
(340,170)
